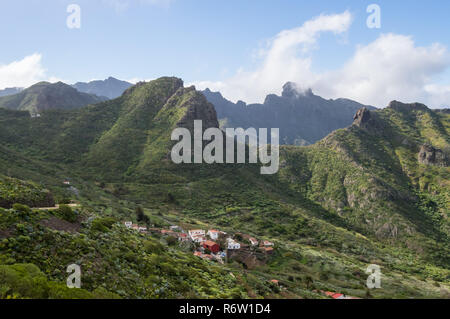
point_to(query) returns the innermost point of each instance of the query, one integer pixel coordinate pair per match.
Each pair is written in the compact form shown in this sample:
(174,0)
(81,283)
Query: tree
(141,217)
(67,213)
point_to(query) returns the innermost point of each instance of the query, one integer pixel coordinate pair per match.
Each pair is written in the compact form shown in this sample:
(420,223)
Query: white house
(128,224)
(175,228)
(253,241)
(232,244)
(213,234)
(142,229)
(198,239)
(196,233)
(268,243)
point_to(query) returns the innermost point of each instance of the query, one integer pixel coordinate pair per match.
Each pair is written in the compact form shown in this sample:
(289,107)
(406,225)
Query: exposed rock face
(362,117)
(302,117)
(198,108)
(429,155)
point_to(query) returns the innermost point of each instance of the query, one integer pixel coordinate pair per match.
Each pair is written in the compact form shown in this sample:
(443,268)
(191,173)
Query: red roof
(336,296)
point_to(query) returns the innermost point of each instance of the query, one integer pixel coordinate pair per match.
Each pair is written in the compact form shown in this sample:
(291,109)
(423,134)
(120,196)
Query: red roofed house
(182,237)
(212,246)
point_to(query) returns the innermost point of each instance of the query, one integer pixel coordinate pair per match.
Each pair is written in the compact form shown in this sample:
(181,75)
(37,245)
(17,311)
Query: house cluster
(138,228)
(206,240)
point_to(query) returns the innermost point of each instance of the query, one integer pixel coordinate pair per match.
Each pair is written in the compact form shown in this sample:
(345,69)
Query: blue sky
(225,45)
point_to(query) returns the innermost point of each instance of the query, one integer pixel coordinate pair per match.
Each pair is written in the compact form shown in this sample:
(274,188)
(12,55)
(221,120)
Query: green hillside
(376,192)
(44,96)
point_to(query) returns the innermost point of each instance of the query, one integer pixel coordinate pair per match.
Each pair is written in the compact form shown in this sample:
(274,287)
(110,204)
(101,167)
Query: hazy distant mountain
(303,118)
(44,96)
(10,91)
(110,88)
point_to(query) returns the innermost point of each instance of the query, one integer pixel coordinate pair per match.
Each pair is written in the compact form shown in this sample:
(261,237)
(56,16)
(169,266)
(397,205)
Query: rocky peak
(198,108)
(429,155)
(362,117)
(291,90)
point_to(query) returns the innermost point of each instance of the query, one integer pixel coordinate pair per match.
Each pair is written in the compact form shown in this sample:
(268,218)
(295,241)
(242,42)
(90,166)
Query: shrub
(103,224)
(21,208)
(67,213)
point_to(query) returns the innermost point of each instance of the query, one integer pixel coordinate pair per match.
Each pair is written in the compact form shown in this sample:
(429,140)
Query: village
(214,245)
(217,245)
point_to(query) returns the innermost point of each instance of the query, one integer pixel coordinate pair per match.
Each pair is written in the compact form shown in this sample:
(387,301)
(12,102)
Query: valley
(375,192)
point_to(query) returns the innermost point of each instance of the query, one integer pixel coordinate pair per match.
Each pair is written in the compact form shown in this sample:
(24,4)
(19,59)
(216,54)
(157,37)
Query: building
(212,246)
(198,239)
(66,182)
(267,243)
(196,232)
(253,241)
(268,250)
(182,237)
(213,234)
(232,244)
(197,235)
(175,228)
(142,229)
(128,224)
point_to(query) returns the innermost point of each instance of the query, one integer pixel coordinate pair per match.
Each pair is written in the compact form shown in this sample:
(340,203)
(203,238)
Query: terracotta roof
(209,243)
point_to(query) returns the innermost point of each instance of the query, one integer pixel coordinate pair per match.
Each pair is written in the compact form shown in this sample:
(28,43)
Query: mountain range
(374,192)
(10,91)
(303,117)
(45,96)
(110,88)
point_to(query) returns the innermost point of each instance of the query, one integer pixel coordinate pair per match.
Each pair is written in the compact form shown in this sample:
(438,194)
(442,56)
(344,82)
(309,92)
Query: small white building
(232,244)
(175,228)
(267,243)
(196,233)
(213,234)
(128,224)
(253,241)
(142,229)
(198,239)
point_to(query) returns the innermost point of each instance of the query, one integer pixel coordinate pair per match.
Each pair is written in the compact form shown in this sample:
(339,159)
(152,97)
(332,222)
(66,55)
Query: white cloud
(287,58)
(390,68)
(22,73)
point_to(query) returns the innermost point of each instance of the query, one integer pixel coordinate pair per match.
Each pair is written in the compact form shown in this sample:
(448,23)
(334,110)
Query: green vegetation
(357,197)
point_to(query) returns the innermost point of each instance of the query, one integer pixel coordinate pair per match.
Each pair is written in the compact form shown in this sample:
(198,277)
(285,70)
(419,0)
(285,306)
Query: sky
(245,49)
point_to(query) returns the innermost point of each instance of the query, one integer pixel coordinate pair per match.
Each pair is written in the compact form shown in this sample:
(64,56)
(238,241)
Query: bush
(103,224)
(21,208)
(67,213)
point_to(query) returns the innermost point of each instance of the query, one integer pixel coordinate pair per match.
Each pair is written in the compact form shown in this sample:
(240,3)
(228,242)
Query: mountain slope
(43,96)
(374,176)
(110,88)
(303,118)
(366,194)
